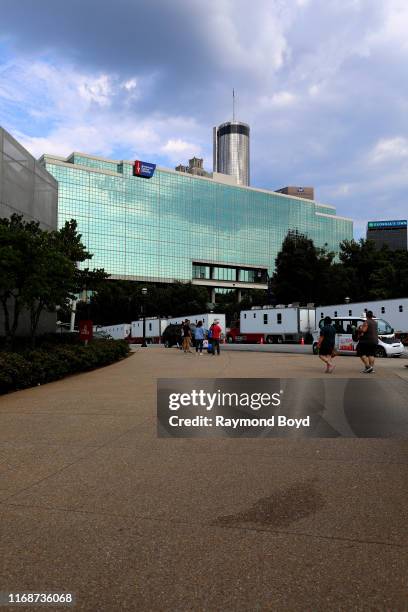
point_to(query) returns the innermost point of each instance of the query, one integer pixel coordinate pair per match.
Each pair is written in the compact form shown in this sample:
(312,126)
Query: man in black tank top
(367,344)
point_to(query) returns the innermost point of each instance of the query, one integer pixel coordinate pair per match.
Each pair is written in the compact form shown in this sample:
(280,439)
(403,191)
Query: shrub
(52,361)
(15,372)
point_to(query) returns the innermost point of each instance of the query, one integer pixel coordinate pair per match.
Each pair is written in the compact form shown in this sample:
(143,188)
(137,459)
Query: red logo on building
(137,167)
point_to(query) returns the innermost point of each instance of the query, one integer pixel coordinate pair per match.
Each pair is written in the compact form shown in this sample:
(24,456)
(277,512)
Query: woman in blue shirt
(199,337)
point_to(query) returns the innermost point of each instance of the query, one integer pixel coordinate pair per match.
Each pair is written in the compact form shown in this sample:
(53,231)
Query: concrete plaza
(93,503)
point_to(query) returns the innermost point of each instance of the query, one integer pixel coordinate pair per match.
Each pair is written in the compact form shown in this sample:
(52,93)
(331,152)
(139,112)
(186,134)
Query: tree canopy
(120,300)
(39,270)
(305,273)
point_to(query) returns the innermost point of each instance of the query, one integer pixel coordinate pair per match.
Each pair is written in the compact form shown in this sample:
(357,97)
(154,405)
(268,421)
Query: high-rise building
(26,189)
(390,233)
(162,225)
(231,150)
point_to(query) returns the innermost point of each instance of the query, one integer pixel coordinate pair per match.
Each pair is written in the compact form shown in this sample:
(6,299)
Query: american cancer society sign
(143,169)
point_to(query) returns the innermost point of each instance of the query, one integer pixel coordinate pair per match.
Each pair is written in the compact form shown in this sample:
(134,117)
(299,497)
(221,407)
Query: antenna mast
(233,105)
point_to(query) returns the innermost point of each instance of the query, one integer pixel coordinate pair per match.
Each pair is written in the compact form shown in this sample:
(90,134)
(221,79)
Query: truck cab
(234,334)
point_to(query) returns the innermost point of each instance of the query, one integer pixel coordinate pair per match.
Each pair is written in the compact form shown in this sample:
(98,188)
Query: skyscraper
(390,233)
(231,150)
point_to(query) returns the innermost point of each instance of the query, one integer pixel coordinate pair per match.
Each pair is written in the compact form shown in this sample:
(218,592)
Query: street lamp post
(144,293)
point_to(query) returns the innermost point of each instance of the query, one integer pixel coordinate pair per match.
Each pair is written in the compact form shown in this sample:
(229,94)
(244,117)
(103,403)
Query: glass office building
(25,188)
(175,226)
(394,234)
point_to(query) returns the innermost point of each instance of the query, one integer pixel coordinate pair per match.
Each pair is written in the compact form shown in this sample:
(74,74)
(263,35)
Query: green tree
(19,248)
(39,270)
(123,301)
(303,272)
(374,273)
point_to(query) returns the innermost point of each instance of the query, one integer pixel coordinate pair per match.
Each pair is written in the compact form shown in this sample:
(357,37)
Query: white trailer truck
(207,319)
(153,331)
(278,324)
(155,326)
(394,311)
(120,331)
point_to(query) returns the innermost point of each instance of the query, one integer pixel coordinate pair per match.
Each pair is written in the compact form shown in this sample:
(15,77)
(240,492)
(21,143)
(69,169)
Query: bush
(52,361)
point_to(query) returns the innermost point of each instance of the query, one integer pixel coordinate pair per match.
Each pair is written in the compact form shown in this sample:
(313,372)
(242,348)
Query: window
(201,271)
(382,310)
(247,276)
(339,327)
(227,274)
(265,319)
(401,308)
(384,327)
(348,327)
(279,318)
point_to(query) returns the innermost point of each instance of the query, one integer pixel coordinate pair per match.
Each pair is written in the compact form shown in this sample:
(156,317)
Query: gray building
(299,192)
(391,233)
(27,189)
(195,167)
(231,150)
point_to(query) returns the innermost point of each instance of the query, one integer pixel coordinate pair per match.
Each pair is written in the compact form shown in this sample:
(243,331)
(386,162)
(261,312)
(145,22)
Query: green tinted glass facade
(155,229)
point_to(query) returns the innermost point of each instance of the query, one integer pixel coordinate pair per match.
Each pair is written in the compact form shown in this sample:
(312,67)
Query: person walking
(326,344)
(199,337)
(368,341)
(187,337)
(215,336)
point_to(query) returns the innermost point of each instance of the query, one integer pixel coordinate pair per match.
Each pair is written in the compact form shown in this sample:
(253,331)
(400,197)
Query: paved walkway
(92,502)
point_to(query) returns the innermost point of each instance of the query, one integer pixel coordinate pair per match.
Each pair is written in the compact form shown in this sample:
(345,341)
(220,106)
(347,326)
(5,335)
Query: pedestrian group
(202,338)
(366,336)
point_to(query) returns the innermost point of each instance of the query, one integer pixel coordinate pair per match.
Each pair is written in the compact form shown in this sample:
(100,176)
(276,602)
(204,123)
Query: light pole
(144,293)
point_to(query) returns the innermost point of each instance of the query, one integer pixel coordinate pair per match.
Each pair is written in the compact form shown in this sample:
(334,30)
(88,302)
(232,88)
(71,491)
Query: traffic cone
(302,340)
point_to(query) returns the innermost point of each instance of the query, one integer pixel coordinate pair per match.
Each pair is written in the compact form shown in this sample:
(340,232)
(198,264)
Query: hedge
(51,362)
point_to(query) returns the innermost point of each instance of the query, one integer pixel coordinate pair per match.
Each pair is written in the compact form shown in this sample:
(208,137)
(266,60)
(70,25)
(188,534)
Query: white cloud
(280,99)
(90,113)
(389,149)
(252,41)
(129,84)
(178,150)
(97,89)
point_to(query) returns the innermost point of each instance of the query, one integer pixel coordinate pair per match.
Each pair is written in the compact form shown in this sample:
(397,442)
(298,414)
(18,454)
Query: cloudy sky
(322,83)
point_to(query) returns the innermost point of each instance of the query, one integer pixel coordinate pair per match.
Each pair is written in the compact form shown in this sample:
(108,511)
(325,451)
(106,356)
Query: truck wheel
(230,339)
(269,340)
(278,340)
(380,352)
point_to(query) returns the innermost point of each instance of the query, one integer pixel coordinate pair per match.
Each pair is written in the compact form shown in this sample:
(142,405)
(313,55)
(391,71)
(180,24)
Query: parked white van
(388,345)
